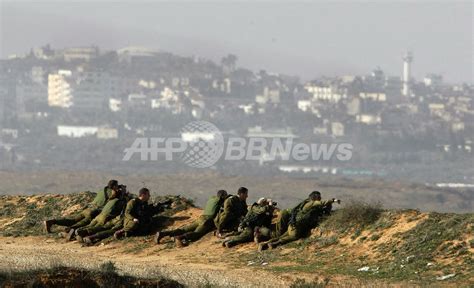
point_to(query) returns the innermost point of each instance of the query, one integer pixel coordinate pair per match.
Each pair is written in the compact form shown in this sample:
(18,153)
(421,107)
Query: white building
(107,133)
(433,80)
(304,105)
(379,97)
(76,131)
(195,136)
(268,96)
(368,119)
(80,53)
(328,93)
(87,90)
(115,105)
(320,130)
(337,129)
(259,132)
(60,89)
(131,53)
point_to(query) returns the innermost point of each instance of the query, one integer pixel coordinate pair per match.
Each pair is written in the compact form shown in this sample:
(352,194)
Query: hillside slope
(356,246)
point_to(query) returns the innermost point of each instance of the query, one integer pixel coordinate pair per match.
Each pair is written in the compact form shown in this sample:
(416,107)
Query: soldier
(274,230)
(86,216)
(304,217)
(230,215)
(259,215)
(112,209)
(138,215)
(107,230)
(203,225)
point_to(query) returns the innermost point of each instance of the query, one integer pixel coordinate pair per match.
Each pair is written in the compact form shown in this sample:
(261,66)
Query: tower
(407,58)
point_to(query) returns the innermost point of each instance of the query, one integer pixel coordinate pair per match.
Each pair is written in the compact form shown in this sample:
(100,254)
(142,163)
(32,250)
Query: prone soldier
(259,215)
(85,216)
(197,229)
(304,217)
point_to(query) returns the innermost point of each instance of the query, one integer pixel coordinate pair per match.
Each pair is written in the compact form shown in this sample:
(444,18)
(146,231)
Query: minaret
(407,58)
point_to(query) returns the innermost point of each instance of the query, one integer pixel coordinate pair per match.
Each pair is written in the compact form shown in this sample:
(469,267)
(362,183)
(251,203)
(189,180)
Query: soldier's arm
(161,206)
(228,212)
(130,210)
(327,205)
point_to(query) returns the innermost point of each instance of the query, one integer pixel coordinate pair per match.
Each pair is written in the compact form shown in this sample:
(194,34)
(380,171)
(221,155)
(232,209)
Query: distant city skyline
(304,39)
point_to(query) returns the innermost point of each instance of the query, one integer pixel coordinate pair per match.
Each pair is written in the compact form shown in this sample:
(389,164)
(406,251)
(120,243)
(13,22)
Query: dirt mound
(23,215)
(357,245)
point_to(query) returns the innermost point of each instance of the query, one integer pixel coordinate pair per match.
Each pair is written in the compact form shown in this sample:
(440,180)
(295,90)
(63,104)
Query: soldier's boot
(160,235)
(47,225)
(70,235)
(256,236)
(262,247)
(219,234)
(119,234)
(89,240)
(80,239)
(229,244)
(226,240)
(180,241)
(80,232)
(273,245)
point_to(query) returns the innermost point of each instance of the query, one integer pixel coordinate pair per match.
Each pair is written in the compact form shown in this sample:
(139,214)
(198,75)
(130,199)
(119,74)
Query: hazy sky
(307,39)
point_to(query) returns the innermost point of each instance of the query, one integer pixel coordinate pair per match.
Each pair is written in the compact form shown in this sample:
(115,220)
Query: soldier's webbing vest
(213,206)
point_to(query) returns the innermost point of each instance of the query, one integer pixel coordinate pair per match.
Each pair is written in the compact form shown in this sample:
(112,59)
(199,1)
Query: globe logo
(205,144)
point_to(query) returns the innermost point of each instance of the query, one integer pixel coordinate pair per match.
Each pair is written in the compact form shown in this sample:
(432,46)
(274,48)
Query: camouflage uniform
(203,225)
(138,209)
(277,229)
(231,214)
(304,217)
(257,216)
(98,233)
(112,209)
(86,216)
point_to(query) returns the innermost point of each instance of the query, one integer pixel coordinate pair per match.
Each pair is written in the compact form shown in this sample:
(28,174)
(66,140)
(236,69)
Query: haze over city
(304,39)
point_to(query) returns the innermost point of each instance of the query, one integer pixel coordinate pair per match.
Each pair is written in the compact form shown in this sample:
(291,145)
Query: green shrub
(108,268)
(353,214)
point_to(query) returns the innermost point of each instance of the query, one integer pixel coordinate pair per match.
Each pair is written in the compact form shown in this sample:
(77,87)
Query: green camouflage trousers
(246,235)
(195,230)
(80,220)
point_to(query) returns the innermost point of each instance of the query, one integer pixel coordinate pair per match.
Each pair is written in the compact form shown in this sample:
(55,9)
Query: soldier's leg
(98,228)
(181,230)
(101,235)
(202,229)
(289,236)
(226,225)
(281,225)
(134,228)
(88,215)
(68,221)
(84,230)
(263,234)
(177,232)
(244,236)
